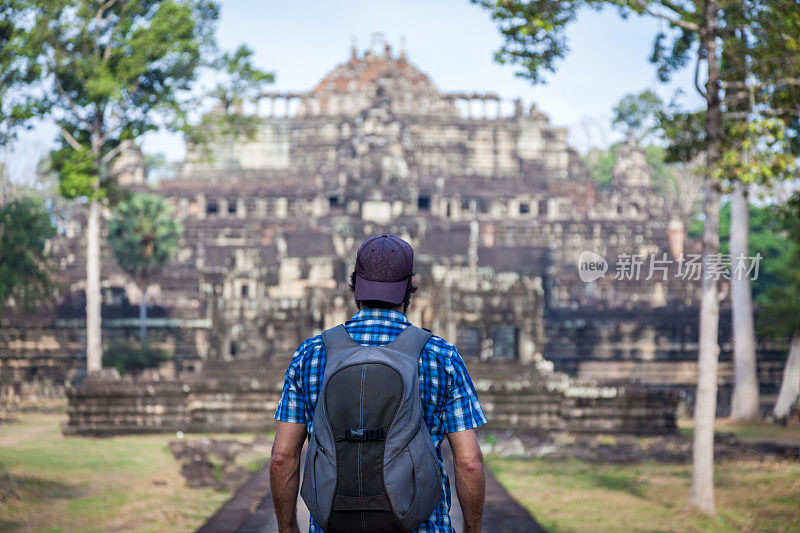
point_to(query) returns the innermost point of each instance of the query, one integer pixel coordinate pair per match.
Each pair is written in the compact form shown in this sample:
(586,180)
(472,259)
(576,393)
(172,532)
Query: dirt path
(250,510)
(24,430)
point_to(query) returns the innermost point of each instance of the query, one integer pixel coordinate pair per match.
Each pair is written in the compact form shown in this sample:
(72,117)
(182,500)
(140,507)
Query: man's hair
(410,288)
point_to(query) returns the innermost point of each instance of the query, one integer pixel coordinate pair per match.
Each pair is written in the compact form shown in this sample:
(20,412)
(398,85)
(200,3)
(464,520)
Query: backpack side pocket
(319,482)
(412,482)
(400,482)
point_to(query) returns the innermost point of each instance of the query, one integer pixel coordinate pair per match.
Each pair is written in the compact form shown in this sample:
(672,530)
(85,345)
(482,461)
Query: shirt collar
(377,313)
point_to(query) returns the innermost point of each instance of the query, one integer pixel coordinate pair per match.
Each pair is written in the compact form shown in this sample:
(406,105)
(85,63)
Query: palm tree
(144,236)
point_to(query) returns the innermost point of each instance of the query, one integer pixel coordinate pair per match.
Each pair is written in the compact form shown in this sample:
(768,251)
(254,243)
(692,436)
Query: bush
(130,356)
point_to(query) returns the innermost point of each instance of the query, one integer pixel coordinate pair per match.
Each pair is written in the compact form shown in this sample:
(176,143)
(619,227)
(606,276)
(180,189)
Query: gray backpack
(371,465)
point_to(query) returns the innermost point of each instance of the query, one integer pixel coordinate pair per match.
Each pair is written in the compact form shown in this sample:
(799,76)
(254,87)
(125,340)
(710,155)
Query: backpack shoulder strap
(337,339)
(411,341)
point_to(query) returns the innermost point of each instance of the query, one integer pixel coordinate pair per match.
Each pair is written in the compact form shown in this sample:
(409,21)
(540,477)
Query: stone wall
(657,347)
(242,397)
(42,355)
(535,398)
(224,397)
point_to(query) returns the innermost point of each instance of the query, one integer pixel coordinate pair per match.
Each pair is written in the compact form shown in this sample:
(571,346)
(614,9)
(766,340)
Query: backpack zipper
(361,424)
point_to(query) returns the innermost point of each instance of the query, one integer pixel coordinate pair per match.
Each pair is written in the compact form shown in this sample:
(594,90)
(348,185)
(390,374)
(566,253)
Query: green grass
(575,496)
(256,464)
(128,483)
(755,431)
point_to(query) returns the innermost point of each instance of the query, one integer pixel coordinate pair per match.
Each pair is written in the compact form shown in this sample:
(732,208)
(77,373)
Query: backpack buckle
(355,434)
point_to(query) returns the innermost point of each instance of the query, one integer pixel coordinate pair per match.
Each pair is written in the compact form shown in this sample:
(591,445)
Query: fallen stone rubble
(623,449)
(220,464)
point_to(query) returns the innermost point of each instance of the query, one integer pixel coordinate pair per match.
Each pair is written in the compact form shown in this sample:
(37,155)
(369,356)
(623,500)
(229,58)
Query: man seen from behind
(382,283)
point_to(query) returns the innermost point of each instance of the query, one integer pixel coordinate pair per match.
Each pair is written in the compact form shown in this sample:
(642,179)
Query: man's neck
(398,308)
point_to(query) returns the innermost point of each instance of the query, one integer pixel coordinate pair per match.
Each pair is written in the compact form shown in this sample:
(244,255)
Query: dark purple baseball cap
(384,265)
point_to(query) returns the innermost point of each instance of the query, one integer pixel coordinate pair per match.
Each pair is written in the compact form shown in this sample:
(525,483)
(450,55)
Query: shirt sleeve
(462,410)
(292,406)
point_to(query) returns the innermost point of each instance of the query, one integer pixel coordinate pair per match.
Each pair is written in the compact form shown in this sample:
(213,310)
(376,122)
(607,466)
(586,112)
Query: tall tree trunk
(790,382)
(745,402)
(705,406)
(94,345)
(143,317)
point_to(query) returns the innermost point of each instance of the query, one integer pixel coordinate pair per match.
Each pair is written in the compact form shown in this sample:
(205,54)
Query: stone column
(474,238)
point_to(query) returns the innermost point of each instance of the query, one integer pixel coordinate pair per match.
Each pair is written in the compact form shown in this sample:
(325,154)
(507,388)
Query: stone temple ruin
(498,208)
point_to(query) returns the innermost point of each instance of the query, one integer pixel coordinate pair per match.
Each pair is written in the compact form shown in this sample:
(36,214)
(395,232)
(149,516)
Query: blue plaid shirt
(448,396)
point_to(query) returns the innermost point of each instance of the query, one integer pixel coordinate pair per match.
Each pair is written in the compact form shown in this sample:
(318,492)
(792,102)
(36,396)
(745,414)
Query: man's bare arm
(470,481)
(284,473)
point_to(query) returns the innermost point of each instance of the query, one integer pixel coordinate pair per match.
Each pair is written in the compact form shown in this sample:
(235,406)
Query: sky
(453,41)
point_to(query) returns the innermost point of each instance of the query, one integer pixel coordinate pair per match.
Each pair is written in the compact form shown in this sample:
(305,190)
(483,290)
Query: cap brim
(392,292)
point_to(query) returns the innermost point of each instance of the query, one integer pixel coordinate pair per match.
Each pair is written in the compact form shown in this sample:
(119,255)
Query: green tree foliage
(238,82)
(533,33)
(157,167)
(638,114)
(641,116)
(644,116)
(131,357)
(663,170)
(759,57)
(759,153)
(767,237)
(144,235)
(779,315)
(707,33)
(600,162)
(685,133)
(25,268)
(242,80)
(15,110)
(761,71)
(104,71)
